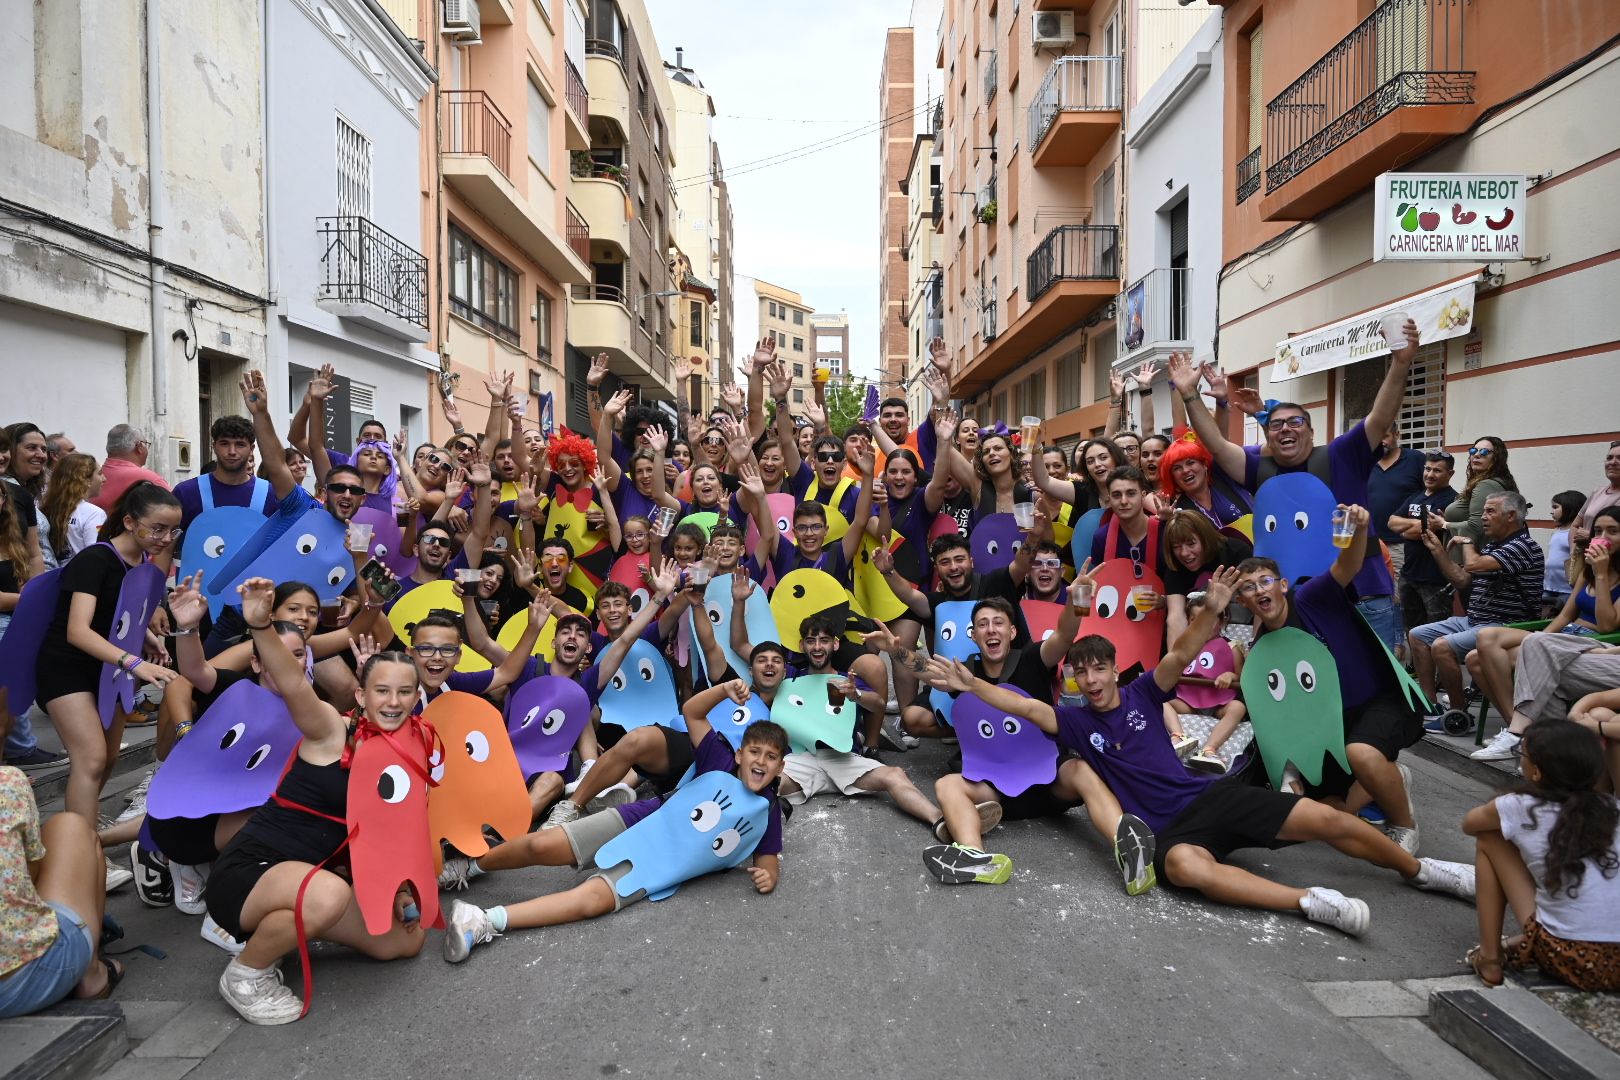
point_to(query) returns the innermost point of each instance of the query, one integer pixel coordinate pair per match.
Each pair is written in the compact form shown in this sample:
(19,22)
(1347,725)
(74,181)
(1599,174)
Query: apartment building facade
(923,315)
(829,345)
(133,279)
(622,185)
(785,317)
(897,101)
(1430,87)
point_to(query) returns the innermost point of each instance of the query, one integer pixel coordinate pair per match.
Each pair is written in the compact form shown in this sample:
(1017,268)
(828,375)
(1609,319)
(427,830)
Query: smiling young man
(230,481)
(1127,530)
(1199,821)
(810,550)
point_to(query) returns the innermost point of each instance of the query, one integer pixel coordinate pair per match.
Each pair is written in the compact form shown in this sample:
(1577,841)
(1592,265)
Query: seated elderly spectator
(127,451)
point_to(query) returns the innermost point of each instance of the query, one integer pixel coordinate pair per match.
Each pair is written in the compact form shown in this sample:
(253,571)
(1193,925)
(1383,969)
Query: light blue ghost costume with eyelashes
(1293,525)
(641,692)
(731,719)
(718,605)
(1291,686)
(995,541)
(713,823)
(802,708)
(311,549)
(953,639)
(545,717)
(231,760)
(215,537)
(138,596)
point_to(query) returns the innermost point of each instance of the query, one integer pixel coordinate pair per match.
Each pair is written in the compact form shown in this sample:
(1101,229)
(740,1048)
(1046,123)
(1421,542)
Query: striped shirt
(1512,593)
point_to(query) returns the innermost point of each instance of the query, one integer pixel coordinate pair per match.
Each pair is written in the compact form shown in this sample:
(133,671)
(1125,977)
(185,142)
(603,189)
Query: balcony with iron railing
(371,277)
(1394,86)
(579,234)
(936,126)
(475,161)
(602,202)
(1154,315)
(990,76)
(1070,278)
(987,321)
(1076,110)
(936,207)
(1248,175)
(578,112)
(600,320)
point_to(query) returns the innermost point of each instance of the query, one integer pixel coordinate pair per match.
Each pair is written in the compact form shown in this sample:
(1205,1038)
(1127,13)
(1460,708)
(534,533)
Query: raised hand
(321,383)
(1183,375)
(617,403)
(732,398)
(398,446)
(1409,346)
(780,381)
(527,499)
(1216,378)
(939,356)
(742,587)
(1116,385)
(598,371)
(816,415)
(657,439)
(666,581)
(523,572)
(258,600)
(1222,586)
(945,424)
(364,647)
(187,603)
(880,493)
(1245,400)
(952,676)
(883,560)
(738,442)
(1144,375)
(254,394)
(751,481)
(455,484)
(478,472)
(764,352)
(739,691)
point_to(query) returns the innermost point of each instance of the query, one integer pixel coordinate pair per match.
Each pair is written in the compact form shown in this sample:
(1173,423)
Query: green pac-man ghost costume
(1291,686)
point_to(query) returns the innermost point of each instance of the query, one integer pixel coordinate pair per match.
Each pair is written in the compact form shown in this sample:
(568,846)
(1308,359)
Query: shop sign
(1457,217)
(1446,311)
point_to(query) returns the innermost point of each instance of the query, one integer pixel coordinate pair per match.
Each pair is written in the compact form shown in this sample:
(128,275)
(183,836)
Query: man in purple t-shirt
(1200,820)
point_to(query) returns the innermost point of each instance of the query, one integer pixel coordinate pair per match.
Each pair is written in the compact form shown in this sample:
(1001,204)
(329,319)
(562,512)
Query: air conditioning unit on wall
(1053,28)
(461,21)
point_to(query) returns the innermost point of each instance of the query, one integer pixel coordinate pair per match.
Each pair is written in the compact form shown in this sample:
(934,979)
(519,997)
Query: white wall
(85,392)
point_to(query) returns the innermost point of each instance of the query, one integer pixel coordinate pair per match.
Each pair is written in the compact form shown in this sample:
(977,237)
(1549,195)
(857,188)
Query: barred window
(353,172)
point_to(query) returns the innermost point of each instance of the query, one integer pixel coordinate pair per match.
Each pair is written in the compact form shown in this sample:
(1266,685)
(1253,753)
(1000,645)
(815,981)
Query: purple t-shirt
(714,754)
(191,500)
(1129,749)
(628,502)
(788,558)
(1328,613)
(1350,461)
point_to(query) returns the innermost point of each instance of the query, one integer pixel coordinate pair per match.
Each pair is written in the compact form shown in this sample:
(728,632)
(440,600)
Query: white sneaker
(1292,780)
(137,800)
(1504,746)
(1407,838)
(188,888)
(561,814)
(258,995)
(1184,744)
(617,795)
(216,935)
(468,926)
(117,876)
(568,789)
(1438,875)
(456,873)
(1333,908)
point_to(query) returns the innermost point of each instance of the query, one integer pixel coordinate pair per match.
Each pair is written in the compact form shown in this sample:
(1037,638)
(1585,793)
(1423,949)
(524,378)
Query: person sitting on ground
(1198,821)
(1227,658)
(1549,851)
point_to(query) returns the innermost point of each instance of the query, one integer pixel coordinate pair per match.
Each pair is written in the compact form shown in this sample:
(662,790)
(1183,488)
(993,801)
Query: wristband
(1188,399)
(183,632)
(134,662)
(123,661)
(250,626)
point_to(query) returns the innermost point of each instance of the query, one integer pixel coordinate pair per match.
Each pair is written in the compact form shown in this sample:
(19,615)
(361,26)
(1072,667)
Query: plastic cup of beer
(1393,324)
(823,374)
(1083,597)
(1024,515)
(1143,600)
(665,522)
(698,573)
(468,576)
(1344,530)
(359,539)
(1031,430)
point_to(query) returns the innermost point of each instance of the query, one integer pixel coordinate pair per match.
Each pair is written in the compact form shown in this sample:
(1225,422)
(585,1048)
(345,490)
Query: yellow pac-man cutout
(415,605)
(1244,525)
(801,594)
(872,591)
(515,627)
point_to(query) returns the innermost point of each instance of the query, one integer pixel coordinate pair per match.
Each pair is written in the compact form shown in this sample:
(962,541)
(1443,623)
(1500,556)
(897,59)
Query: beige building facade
(784,316)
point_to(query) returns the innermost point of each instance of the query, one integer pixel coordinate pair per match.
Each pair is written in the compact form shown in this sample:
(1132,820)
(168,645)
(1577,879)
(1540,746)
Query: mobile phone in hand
(384,584)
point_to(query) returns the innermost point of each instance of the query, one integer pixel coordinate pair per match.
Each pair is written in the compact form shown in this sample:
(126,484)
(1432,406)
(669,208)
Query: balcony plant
(987,213)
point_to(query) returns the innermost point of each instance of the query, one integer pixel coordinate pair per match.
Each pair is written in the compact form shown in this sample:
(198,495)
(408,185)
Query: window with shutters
(1257,101)
(353,172)
(362,404)
(539,129)
(1422,415)
(1069,367)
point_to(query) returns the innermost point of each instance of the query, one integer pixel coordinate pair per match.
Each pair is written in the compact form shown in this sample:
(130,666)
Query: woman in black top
(144,525)
(1196,551)
(1086,486)
(253,889)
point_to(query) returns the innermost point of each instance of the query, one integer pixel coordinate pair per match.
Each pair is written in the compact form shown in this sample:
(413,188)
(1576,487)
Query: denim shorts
(51,976)
(1460,632)
(1579,631)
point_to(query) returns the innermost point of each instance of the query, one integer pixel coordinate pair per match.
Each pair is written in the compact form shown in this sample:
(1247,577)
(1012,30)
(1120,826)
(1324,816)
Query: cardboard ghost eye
(385,536)
(1137,636)
(215,537)
(479,780)
(1213,661)
(953,630)
(1291,686)
(717,608)
(544,719)
(230,760)
(995,541)
(19,644)
(731,719)
(389,842)
(1084,530)
(312,550)
(711,823)
(641,692)
(1293,524)
(801,594)
(138,597)
(423,600)
(803,708)
(1007,751)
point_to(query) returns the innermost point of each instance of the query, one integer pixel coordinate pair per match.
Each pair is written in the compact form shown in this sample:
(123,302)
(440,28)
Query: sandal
(115,975)
(1477,960)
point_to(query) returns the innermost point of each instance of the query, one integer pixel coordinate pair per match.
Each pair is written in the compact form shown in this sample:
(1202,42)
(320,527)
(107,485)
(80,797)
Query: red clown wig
(1185,447)
(566,442)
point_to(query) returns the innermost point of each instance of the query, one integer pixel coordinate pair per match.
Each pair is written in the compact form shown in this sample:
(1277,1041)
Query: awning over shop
(1444,311)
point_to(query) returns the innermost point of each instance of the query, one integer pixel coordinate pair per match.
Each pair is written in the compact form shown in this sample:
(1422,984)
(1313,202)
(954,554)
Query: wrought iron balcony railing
(1406,53)
(579,233)
(1248,175)
(579,99)
(362,263)
(474,127)
(603,47)
(1074,253)
(1154,310)
(1075,84)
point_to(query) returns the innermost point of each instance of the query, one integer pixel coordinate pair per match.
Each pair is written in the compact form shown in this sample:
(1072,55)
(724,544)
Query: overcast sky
(784,75)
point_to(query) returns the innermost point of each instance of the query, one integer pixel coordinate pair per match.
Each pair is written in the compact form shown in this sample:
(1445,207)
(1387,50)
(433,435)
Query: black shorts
(1038,801)
(235,873)
(1225,818)
(1384,722)
(682,754)
(58,676)
(187,841)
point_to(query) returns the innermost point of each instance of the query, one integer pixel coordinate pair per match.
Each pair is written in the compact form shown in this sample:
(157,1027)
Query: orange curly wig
(1185,446)
(566,442)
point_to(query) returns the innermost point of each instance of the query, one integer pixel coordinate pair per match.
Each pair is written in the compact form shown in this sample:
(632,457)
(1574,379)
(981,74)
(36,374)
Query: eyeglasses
(1249,588)
(809,526)
(434,541)
(1480,451)
(1049,564)
(346,489)
(428,652)
(1294,422)
(157,532)
(829,455)
(437,461)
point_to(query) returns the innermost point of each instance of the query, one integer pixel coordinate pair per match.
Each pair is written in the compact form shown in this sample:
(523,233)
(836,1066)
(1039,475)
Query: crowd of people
(382,672)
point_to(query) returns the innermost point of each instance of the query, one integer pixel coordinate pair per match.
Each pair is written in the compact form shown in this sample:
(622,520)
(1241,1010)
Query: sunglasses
(437,461)
(829,455)
(714,442)
(1480,451)
(346,489)
(1049,564)
(428,652)
(434,541)
(1249,588)
(1294,422)
(553,560)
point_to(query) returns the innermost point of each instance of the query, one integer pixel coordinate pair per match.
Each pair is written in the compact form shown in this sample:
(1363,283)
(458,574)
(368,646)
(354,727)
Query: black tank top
(298,835)
(987,498)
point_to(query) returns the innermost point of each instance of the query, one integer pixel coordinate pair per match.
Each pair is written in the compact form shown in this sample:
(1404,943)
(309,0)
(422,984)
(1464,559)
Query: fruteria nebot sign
(1460,217)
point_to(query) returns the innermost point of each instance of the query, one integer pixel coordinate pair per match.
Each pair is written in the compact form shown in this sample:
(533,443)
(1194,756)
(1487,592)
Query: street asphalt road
(861,964)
